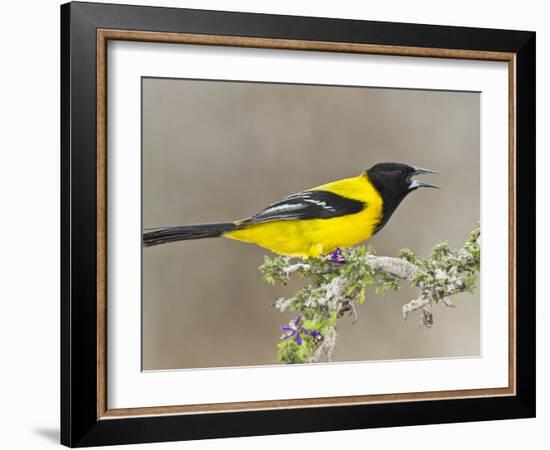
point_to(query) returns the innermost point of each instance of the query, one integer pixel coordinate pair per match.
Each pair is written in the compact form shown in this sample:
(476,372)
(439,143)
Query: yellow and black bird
(317,221)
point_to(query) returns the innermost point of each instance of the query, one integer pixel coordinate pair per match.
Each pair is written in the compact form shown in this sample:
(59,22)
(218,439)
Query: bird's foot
(337,257)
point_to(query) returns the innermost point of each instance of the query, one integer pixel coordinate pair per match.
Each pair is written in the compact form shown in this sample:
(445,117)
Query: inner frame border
(103,36)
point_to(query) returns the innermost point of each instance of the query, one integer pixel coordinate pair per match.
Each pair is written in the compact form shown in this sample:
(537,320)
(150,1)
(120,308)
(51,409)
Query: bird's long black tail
(164,235)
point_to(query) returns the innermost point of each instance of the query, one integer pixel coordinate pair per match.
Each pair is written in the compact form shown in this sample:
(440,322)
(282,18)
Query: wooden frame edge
(101,223)
(213,408)
(512,200)
(289,44)
(103,35)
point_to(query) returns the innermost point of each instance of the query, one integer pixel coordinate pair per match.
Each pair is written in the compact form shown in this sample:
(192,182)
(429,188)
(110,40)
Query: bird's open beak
(420,171)
(415,184)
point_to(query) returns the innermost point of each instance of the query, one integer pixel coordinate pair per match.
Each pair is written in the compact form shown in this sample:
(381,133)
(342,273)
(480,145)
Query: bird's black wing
(314,204)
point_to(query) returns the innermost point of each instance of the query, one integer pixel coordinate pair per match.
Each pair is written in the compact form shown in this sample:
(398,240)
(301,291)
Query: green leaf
(361,296)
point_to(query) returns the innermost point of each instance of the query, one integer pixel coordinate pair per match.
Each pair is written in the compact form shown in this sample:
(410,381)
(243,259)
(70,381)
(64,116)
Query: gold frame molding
(103,36)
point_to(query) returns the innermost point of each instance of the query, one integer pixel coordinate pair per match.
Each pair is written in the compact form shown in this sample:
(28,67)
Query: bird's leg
(337,257)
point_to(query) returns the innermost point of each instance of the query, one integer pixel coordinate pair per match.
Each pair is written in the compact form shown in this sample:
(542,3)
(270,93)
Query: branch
(396,267)
(337,285)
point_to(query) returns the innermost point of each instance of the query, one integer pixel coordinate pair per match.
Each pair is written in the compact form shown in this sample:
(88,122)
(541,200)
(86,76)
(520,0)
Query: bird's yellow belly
(312,237)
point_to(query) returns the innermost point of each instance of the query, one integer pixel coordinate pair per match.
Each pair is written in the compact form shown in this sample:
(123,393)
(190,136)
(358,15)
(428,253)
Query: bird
(317,221)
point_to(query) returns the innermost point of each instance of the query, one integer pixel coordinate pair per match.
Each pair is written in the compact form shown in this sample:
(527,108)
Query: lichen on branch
(338,283)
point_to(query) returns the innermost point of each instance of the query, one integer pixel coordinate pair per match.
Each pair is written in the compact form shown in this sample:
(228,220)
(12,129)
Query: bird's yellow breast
(314,237)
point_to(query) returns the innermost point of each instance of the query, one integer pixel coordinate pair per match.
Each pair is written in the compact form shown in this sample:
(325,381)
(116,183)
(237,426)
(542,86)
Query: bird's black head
(394,181)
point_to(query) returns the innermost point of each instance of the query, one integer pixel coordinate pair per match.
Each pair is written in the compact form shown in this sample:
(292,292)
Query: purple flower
(316,334)
(337,257)
(295,330)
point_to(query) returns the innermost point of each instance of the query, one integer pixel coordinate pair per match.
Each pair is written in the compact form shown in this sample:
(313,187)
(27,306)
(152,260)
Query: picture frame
(86,418)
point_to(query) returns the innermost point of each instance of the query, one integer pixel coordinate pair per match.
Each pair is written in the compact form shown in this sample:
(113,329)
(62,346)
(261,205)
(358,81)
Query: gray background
(218,151)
